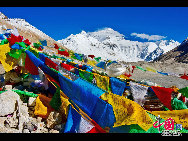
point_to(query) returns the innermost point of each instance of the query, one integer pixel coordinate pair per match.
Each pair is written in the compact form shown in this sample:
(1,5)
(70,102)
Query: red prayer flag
(27,42)
(96,129)
(65,53)
(40,48)
(29,65)
(51,64)
(182,98)
(14,39)
(184,77)
(56,46)
(133,67)
(92,56)
(164,95)
(128,75)
(66,66)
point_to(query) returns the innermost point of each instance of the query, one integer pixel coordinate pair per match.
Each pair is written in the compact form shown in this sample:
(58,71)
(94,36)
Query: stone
(2,120)
(58,127)
(53,119)
(8,102)
(44,130)
(53,131)
(39,119)
(9,130)
(30,126)
(25,131)
(11,122)
(24,110)
(31,101)
(8,87)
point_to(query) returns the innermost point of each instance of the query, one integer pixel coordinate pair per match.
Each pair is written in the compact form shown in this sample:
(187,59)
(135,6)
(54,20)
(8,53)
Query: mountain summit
(110,44)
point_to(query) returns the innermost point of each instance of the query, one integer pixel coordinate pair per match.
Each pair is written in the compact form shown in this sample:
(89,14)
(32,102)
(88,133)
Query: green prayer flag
(25,76)
(97,59)
(2,91)
(86,75)
(22,44)
(56,100)
(5,41)
(140,68)
(19,92)
(73,57)
(178,104)
(15,53)
(184,91)
(61,49)
(34,52)
(36,45)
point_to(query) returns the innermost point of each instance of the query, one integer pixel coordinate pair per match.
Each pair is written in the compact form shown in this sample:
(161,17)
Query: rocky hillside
(178,54)
(26,30)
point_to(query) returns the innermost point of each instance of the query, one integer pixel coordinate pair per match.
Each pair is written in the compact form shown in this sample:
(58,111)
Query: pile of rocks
(18,117)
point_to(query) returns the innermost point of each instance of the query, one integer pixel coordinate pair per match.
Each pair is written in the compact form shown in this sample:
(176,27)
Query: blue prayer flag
(117,86)
(101,65)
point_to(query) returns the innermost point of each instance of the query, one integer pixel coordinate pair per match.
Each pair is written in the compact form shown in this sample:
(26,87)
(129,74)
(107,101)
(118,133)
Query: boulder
(25,131)
(31,101)
(8,87)
(53,119)
(8,102)
(2,121)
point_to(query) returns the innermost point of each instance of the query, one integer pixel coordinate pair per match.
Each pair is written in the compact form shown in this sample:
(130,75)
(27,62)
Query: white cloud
(148,37)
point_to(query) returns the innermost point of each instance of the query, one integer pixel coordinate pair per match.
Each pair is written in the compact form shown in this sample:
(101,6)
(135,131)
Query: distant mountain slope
(25,29)
(178,54)
(110,44)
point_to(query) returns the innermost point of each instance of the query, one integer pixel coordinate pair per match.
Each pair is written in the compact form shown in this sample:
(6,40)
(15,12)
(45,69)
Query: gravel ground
(162,80)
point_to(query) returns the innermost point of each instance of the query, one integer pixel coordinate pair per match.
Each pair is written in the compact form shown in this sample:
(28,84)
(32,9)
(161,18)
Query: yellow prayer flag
(65,103)
(3,50)
(102,81)
(179,116)
(91,62)
(127,112)
(150,69)
(40,109)
(123,77)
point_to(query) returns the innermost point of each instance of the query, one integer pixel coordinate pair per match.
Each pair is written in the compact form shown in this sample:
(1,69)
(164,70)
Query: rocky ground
(162,80)
(18,117)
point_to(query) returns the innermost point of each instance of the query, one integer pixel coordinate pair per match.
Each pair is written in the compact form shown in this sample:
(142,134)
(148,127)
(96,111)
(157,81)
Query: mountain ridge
(178,54)
(110,44)
(26,29)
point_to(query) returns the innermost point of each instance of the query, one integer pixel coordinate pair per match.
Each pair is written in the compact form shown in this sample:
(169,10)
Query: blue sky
(60,22)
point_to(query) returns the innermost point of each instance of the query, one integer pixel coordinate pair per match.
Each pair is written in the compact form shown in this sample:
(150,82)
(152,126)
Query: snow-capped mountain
(110,44)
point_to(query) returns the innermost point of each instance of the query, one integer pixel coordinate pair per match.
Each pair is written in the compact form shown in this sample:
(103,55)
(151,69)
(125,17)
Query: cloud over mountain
(148,37)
